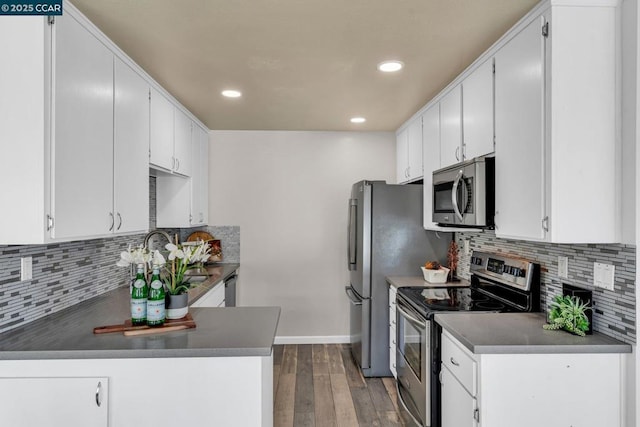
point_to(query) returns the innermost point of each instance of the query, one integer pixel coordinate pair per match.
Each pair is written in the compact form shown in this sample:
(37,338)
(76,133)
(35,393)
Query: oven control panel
(511,270)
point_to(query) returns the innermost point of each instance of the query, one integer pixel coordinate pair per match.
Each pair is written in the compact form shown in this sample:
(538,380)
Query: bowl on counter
(436,276)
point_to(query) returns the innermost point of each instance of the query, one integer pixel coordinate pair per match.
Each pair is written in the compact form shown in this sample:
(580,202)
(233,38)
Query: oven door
(413,361)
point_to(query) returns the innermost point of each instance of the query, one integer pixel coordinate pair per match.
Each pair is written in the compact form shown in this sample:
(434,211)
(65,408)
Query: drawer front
(460,362)
(392,306)
(392,351)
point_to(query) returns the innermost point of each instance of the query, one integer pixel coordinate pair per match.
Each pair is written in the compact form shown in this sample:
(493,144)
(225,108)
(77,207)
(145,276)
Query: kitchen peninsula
(55,371)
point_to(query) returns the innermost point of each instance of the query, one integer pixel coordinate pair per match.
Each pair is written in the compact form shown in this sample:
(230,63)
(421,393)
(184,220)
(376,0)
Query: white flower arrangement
(181,258)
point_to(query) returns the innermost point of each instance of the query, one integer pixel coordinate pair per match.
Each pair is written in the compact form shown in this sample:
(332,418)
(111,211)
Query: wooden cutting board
(199,235)
(128,329)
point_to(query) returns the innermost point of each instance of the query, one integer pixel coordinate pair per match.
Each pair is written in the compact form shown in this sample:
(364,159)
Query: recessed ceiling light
(390,66)
(358,120)
(232,93)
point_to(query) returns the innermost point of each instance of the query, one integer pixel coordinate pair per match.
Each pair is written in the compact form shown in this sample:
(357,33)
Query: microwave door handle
(353,206)
(454,195)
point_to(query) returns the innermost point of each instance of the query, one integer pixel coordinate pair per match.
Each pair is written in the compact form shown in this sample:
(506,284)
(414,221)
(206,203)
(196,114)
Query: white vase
(177,306)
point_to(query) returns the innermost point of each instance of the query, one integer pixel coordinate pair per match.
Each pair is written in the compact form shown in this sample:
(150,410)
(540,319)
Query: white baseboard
(333,339)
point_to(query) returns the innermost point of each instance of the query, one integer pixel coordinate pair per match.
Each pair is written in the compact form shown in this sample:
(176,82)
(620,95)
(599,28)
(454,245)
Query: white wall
(288,192)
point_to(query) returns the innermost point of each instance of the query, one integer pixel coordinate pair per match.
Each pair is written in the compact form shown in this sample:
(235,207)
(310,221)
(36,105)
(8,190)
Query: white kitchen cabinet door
(182,142)
(69,402)
(414,142)
(131,150)
(82,145)
(477,112)
(213,298)
(451,127)
(458,406)
(430,158)
(199,177)
(402,156)
(161,128)
(520,167)
(173,201)
(204,174)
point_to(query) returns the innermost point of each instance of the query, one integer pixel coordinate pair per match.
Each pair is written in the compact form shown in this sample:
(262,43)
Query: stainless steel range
(499,283)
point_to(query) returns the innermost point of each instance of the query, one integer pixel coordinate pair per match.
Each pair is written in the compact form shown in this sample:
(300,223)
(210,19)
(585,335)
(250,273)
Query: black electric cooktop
(430,300)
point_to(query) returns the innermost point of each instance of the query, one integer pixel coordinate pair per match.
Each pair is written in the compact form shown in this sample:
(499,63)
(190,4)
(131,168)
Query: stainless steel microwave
(464,194)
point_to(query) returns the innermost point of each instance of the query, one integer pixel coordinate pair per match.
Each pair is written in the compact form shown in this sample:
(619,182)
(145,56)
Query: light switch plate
(563,267)
(26,265)
(603,275)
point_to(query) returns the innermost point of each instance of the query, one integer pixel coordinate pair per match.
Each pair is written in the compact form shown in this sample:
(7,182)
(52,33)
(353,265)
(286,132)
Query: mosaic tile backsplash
(614,311)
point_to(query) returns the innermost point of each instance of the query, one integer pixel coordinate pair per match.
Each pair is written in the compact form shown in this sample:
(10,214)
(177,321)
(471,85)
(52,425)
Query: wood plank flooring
(320,385)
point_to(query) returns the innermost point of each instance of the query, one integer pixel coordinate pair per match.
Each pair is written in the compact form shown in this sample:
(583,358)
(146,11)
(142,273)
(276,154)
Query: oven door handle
(454,195)
(411,318)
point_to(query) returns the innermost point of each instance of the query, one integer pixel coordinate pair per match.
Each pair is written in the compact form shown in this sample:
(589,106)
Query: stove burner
(489,305)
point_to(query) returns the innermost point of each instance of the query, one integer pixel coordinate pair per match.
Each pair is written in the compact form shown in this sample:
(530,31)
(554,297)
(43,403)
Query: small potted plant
(568,313)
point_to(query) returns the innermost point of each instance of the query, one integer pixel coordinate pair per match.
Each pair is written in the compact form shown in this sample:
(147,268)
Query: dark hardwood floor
(320,385)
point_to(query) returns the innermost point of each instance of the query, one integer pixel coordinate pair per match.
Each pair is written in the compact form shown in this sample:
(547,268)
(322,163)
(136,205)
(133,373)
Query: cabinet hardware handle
(458,153)
(49,222)
(545,223)
(173,162)
(440,376)
(119,221)
(99,394)
(453,361)
(393,342)
(476,415)
(177,164)
(113,221)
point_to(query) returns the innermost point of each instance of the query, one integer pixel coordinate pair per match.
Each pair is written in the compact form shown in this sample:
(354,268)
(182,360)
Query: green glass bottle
(139,294)
(155,301)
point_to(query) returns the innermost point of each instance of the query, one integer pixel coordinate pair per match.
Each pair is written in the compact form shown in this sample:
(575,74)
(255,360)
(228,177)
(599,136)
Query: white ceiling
(303,64)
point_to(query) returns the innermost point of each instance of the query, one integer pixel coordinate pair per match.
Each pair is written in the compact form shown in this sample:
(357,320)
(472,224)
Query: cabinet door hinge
(545,29)
(51,20)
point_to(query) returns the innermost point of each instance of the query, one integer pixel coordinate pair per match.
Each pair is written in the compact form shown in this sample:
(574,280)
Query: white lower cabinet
(192,391)
(55,401)
(530,390)
(213,298)
(458,405)
(392,330)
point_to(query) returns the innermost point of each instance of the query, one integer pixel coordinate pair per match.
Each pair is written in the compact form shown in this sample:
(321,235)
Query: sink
(196,278)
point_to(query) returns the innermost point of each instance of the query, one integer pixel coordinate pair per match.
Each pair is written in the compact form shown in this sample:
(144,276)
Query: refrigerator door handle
(354,300)
(353,206)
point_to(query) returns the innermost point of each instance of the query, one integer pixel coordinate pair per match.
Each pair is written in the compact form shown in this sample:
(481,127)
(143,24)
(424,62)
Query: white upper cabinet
(131,150)
(199,177)
(451,127)
(402,156)
(430,157)
(556,134)
(520,135)
(161,146)
(170,148)
(409,152)
(182,142)
(477,112)
(75,121)
(82,142)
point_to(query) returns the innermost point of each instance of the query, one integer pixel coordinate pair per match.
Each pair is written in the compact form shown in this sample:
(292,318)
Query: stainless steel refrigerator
(385,238)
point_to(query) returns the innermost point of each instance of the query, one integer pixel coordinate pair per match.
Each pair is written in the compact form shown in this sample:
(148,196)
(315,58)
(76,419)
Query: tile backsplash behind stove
(614,311)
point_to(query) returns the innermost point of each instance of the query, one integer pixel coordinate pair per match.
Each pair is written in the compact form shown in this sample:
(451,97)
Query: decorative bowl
(436,276)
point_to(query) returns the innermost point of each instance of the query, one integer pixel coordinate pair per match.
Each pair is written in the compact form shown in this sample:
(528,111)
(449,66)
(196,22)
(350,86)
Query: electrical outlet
(603,275)
(26,265)
(563,267)
(467,249)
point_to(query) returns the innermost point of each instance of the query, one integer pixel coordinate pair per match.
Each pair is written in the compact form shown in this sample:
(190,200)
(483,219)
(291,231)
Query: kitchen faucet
(148,236)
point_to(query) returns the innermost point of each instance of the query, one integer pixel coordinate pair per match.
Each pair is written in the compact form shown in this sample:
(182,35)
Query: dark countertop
(68,334)
(521,333)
